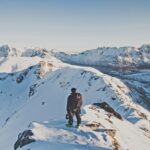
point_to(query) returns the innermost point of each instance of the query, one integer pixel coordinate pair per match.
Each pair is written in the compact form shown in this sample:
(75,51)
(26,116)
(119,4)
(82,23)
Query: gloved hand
(67,116)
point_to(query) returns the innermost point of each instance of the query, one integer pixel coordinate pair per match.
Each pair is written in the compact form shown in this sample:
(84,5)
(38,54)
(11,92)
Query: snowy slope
(15,64)
(139,83)
(33,97)
(129,64)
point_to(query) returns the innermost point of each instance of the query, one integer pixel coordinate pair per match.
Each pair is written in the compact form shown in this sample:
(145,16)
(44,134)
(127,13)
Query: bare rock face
(24,138)
(112,134)
(109,109)
(43,67)
(22,75)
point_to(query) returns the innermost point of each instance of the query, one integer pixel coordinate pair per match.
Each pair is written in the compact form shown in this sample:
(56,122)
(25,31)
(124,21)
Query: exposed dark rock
(43,103)
(142,115)
(104,88)
(94,125)
(84,72)
(24,138)
(21,76)
(112,134)
(113,98)
(11,74)
(98,89)
(3,78)
(109,109)
(7,119)
(32,90)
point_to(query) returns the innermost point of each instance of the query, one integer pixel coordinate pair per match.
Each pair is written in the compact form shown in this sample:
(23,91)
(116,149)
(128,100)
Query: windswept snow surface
(33,97)
(15,64)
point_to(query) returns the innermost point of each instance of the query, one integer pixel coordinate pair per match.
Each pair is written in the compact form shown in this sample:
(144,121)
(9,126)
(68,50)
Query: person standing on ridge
(74,103)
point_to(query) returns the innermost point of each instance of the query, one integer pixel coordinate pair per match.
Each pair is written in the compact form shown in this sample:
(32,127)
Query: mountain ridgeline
(35,84)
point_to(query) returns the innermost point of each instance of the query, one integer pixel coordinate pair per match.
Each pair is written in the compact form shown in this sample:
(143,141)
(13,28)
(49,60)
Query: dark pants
(77,114)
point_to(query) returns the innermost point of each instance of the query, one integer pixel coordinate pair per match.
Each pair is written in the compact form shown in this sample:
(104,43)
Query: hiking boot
(77,126)
(69,125)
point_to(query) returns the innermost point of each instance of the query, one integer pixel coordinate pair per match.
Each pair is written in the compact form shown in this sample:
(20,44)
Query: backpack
(75,101)
(79,100)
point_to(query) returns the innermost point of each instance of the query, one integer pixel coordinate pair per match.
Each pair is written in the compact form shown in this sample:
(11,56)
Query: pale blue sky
(74,24)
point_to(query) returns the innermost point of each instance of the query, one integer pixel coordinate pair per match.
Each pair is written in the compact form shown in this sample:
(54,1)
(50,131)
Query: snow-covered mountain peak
(32,52)
(147,46)
(6,50)
(145,49)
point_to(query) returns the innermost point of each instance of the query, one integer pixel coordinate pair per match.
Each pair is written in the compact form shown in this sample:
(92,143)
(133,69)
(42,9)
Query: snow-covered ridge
(40,52)
(123,56)
(104,56)
(6,51)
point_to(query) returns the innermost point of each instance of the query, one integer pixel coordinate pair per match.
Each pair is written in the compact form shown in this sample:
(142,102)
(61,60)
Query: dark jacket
(74,102)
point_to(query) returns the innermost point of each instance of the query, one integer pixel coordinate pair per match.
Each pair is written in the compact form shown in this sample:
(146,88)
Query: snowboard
(69,126)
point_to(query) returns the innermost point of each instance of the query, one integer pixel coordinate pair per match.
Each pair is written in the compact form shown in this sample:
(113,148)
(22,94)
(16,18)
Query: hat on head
(73,90)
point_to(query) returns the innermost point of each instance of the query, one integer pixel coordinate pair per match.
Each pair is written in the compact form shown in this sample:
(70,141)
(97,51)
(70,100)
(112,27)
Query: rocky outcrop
(43,68)
(32,90)
(112,134)
(24,138)
(109,109)
(23,75)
